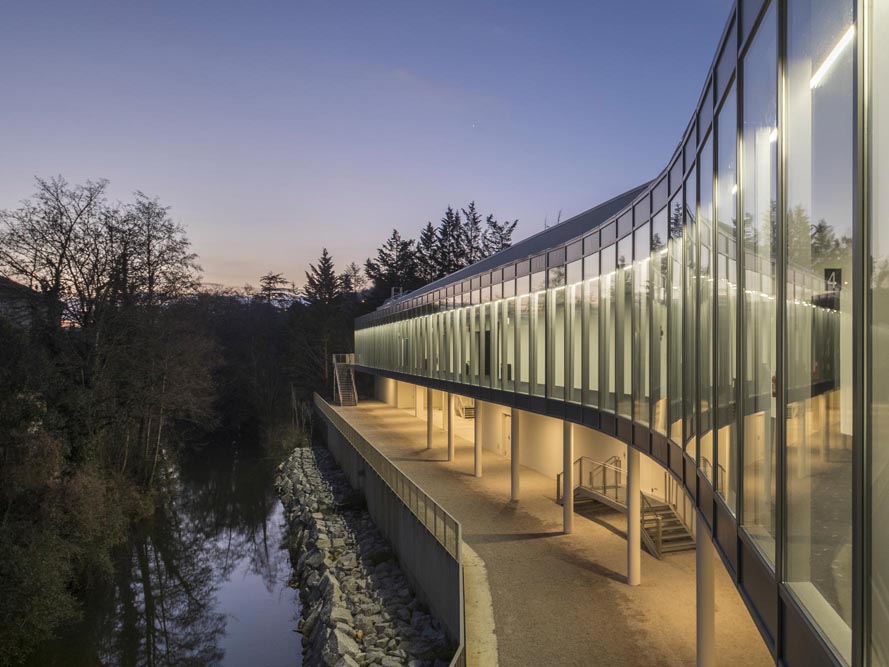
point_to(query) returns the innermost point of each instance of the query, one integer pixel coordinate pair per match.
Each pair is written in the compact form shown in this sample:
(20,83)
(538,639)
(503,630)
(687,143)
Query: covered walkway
(560,599)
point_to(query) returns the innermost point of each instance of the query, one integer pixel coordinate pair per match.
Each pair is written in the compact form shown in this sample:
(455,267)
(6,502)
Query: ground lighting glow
(832,56)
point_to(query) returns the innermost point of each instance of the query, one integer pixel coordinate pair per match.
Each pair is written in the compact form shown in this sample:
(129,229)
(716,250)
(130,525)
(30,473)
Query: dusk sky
(275,129)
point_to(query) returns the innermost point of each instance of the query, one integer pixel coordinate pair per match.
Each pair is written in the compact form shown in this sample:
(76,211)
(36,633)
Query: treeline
(124,360)
(462,237)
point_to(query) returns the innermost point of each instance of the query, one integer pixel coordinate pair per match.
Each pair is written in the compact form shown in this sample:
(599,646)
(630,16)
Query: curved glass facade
(729,322)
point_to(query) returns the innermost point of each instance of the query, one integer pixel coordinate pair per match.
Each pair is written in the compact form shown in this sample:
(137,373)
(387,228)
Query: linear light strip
(832,56)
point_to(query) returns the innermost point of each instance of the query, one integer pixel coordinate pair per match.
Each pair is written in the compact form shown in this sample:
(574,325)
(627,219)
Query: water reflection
(203,582)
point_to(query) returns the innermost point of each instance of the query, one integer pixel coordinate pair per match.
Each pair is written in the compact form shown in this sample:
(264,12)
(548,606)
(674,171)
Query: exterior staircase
(464,408)
(604,482)
(344,379)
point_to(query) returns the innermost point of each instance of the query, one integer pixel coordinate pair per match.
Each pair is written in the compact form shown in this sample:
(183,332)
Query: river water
(203,582)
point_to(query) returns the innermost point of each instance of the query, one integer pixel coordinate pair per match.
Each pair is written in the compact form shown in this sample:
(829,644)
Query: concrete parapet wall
(434,573)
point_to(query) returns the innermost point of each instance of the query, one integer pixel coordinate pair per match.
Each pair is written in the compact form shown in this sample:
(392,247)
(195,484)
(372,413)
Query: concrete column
(634,518)
(428,418)
(515,455)
(568,475)
(450,426)
(478,438)
(705,589)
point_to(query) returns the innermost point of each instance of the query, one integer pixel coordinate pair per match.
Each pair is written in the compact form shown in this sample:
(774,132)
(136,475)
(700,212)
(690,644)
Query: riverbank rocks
(357,606)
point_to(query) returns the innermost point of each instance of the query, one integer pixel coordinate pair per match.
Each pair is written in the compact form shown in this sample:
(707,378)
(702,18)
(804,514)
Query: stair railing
(649,512)
(594,475)
(343,363)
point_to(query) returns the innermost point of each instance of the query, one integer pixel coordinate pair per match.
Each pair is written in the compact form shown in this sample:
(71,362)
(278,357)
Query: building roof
(551,237)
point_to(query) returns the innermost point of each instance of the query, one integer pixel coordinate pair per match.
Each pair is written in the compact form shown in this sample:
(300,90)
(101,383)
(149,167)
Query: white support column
(514,454)
(634,518)
(705,590)
(568,476)
(450,426)
(478,438)
(428,418)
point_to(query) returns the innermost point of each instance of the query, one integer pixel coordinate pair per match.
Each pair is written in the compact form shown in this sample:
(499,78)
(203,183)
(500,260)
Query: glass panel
(690,335)
(659,266)
(624,326)
(575,324)
(641,324)
(487,325)
(509,334)
(476,348)
(759,189)
(675,365)
(608,333)
(591,322)
(524,337)
(467,356)
(557,334)
(879,334)
(820,194)
(705,313)
(538,314)
(726,256)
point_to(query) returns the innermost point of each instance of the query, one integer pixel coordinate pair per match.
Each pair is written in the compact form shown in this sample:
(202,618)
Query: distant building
(19,303)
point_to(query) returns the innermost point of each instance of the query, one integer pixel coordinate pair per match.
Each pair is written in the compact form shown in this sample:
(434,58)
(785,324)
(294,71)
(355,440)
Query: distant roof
(552,237)
(10,286)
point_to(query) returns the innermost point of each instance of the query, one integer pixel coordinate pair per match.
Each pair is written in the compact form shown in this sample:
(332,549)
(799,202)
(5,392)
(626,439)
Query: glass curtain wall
(675,358)
(648,327)
(538,325)
(690,355)
(624,310)
(726,257)
(608,336)
(641,324)
(575,327)
(819,159)
(508,311)
(759,191)
(591,318)
(705,313)
(659,265)
(879,333)
(556,339)
(523,362)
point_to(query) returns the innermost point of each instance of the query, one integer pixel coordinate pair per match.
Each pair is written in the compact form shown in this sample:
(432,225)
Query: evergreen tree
(321,327)
(323,286)
(451,248)
(275,289)
(473,235)
(429,264)
(395,265)
(352,280)
(498,235)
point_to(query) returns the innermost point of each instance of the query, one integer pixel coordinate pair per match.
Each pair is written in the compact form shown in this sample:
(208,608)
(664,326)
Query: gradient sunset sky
(273,129)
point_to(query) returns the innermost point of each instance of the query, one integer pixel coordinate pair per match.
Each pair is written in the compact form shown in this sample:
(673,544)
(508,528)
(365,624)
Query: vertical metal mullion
(861,501)
(650,299)
(740,294)
(780,321)
(714,306)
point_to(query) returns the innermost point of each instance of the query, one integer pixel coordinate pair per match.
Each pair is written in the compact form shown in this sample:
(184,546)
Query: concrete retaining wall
(434,574)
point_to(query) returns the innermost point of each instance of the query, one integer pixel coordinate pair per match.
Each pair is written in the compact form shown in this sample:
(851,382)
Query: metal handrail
(656,544)
(438,521)
(433,516)
(597,465)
